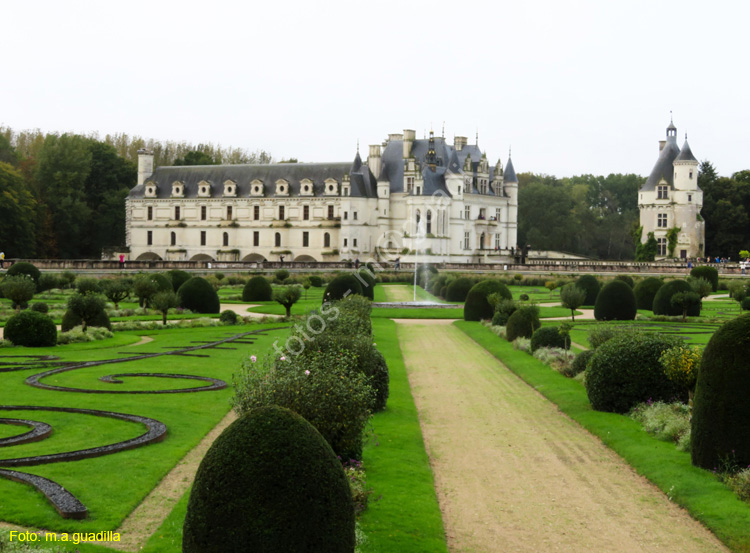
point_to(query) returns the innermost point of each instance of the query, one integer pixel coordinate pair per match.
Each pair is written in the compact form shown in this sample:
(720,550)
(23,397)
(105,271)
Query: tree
(672,240)
(19,289)
(116,290)
(287,297)
(195,158)
(163,302)
(8,153)
(144,288)
(700,286)
(685,300)
(572,298)
(648,250)
(17,214)
(86,306)
(738,292)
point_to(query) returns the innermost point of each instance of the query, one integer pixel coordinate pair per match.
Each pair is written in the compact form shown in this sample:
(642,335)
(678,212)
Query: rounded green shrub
(228,317)
(315,281)
(368,286)
(663,299)
(178,278)
(459,289)
(24,268)
(70,320)
(257,289)
(48,281)
(591,285)
(645,292)
(281,275)
(522,323)
(40,307)
(549,337)
(720,427)
(199,296)
(615,302)
(88,285)
(341,287)
(255,492)
(476,307)
(580,362)
(626,370)
(627,279)
(163,283)
(31,329)
(711,274)
(745,304)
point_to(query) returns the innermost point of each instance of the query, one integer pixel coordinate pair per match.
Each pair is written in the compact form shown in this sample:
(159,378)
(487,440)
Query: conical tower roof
(510,172)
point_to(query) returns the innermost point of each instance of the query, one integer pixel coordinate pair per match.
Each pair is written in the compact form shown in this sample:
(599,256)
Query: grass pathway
(514,474)
(399,292)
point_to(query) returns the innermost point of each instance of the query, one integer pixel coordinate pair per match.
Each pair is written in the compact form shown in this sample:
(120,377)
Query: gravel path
(513,474)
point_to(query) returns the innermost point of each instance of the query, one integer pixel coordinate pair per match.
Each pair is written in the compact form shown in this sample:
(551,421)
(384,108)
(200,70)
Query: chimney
(459,142)
(395,136)
(408,141)
(145,164)
(662,143)
(374,160)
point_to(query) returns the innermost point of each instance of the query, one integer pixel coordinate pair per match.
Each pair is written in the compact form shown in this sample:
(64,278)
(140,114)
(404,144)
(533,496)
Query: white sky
(573,87)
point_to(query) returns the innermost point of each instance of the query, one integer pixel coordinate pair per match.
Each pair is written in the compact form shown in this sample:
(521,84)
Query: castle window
(305,239)
(256,238)
(497,240)
(150,213)
(459,190)
(429,222)
(662,192)
(225,239)
(203,238)
(691,174)
(326,240)
(661,244)
(149,238)
(177,213)
(281,212)
(277,240)
(409,184)
(466,240)
(330,212)
(306,212)
(354,215)
(346,215)
(203,213)
(419,190)
(229,213)
(661,220)
(346,241)
(467,212)
(354,242)
(256,212)
(498,214)
(172,239)
(690,197)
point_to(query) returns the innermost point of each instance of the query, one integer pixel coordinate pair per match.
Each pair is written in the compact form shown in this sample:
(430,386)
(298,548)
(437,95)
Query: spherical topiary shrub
(41,307)
(591,286)
(625,371)
(549,337)
(199,296)
(257,289)
(745,304)
(476,307)
(581,361)
(615,302)
(31,329)
(720,427)
(178,278)
(24,268)
(228,317)
(627,279)
(707,273)
(645,291)
(269,483)
(163,283)
(663,298)
(459,289)
(342,286)
(522,323)
(315,280)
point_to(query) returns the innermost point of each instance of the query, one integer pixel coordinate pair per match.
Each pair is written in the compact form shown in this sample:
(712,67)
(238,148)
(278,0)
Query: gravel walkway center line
(514,474)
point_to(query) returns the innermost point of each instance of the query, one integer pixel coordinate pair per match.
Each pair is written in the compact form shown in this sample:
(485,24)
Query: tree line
(63,195)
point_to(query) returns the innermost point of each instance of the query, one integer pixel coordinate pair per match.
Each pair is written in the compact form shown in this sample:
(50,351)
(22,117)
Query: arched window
(278,240)
(326,240)
(417,219)
(173,238)
(429,222)
(226,238)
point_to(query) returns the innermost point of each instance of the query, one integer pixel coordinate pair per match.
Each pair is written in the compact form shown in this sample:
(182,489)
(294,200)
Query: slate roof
(664,168)
(685,153)
(510,172)
(243,175)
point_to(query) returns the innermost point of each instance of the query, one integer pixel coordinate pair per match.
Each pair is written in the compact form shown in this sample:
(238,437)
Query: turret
(685,169)
(145,164)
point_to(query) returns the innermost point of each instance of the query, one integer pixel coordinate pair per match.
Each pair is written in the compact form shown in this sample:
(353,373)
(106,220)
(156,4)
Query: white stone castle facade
(444,201)
(671,199)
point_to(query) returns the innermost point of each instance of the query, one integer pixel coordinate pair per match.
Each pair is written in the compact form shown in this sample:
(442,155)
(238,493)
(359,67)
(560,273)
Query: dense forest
(62,196)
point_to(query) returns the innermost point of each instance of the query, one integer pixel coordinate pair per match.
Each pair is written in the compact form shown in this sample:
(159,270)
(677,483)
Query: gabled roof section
(664,168)
(685,153)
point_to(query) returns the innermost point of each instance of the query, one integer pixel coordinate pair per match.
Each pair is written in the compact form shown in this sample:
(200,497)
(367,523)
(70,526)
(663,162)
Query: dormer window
(204,189)
(230,188)
(256,188)
(178,189)
(306,187)
(662,192)
(282,187)
(151,189)
(331,187)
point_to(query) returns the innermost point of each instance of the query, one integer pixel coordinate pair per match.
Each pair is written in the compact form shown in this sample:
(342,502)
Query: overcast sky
(573,87)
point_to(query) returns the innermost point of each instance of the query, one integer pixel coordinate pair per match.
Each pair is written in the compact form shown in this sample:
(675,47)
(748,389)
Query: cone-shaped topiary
(720,427)
(269,483)
(591,285)
(615,302)
(199,296)
(178,278)
(522,323)
(476,307)
(645,291)
(663,299)
(459,289)
(707,273)
(31,329)
(626,370)
(341,287)
(257,289)
(549,337)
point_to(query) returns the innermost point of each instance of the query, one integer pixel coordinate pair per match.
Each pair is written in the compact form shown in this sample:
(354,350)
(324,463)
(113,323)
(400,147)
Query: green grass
(697,490)
(111,486)
(694,333)
(403,514)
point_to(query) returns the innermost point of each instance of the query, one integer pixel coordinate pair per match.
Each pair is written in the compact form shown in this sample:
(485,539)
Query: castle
(410,197)
(670,201)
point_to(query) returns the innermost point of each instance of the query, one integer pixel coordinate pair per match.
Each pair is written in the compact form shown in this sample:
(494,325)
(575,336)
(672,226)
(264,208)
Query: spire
(443,129)
(476,141)
(671,130)
(685,153)
(510,172)
(357,164)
